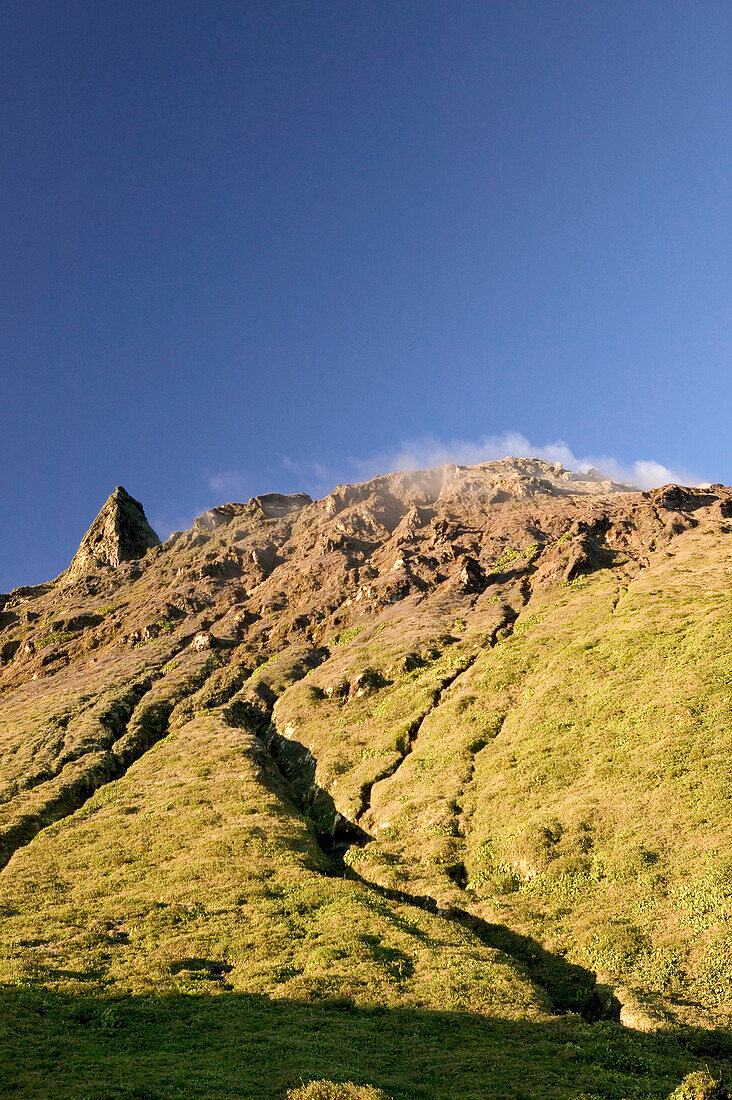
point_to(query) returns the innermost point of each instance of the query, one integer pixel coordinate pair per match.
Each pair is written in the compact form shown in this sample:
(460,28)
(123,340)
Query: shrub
(336,1090)
(700,1086)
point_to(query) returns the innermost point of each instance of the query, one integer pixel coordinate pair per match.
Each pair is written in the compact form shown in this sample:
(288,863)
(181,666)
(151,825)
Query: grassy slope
(195,863)
(578,770)
(613,769)
(117,919)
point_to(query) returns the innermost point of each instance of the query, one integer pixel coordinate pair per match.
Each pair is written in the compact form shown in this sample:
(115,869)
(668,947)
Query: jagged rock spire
(119,533)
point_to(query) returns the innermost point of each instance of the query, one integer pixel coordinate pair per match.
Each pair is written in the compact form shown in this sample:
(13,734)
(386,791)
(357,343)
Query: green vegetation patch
(226,1046)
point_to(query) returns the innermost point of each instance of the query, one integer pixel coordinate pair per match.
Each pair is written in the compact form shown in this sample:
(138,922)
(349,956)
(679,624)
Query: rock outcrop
(119,533)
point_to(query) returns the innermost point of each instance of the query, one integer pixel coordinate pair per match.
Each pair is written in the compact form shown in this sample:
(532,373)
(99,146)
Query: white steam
(422,453)
(429,451)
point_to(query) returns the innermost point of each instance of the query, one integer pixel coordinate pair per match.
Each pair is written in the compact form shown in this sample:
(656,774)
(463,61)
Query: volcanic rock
(119,533)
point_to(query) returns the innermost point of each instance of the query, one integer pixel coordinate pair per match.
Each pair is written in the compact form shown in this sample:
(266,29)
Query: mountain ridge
(447,713)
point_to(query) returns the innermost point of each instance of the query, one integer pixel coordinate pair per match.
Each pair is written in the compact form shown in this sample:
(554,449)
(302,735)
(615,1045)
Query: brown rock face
(119,533)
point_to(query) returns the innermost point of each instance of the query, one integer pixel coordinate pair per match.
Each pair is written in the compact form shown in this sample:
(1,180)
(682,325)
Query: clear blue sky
(261,245)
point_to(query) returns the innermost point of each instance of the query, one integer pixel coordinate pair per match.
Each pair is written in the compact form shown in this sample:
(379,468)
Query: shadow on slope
(571,988)
(226,1045)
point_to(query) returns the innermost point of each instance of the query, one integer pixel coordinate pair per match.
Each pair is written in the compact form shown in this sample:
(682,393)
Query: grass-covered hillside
(421,790)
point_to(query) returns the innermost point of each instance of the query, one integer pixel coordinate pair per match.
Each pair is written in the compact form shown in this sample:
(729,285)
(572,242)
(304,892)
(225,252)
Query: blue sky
(254,246)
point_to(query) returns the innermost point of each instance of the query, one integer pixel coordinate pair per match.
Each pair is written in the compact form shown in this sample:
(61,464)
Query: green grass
(56,637)
(198,854)
(227,1046)
(348,635)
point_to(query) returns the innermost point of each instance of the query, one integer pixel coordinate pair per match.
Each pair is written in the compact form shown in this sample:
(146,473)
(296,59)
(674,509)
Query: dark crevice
(476,748)
(501,632)
(570,988)
(297,765)
(459,875)
(412,735)
(113,719)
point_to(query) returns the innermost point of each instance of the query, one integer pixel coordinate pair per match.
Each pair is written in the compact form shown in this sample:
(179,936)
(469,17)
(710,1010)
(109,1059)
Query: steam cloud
(429,451)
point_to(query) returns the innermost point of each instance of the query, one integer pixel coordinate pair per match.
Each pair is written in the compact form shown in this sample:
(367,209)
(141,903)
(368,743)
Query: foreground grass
(224,1046)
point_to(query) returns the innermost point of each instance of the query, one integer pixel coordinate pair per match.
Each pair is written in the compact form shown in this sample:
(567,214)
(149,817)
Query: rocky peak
(119,533)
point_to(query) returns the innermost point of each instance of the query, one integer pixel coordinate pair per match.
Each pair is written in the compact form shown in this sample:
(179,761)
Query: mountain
(423,786)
